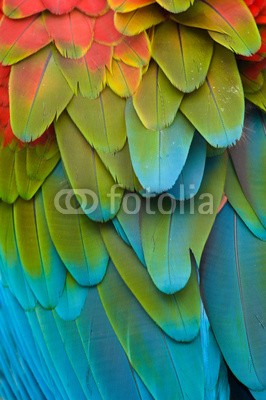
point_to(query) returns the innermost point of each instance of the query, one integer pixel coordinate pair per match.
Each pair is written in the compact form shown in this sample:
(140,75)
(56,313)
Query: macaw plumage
(132,199)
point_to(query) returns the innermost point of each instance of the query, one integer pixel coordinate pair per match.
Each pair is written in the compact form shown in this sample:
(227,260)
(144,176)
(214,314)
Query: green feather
(259,97)
(80,77)
(42,266)
(101,120)
(8,186)
(156,100)
(184,54)
(134,22)
(27,187)
(175,6)
(120,167)
(227,22)
(178,315)
(216,109)
(41,159)
(86,171)
(76,238)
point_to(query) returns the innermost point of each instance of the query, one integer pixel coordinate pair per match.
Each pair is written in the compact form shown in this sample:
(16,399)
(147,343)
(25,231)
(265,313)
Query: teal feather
(130,223)
(249,159)
(166,251)
(158,156)
(72,300)
(166,367)
(178,314)
(189,180)
(240,203)
(10,264)
(233,279)
(38,381)
(115,376)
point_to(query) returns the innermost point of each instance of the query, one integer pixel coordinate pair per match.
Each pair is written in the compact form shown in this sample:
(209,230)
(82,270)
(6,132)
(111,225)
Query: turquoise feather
(169,367)
(233,279)
(158,156)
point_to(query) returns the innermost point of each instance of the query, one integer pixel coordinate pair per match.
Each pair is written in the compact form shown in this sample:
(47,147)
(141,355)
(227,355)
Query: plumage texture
(132,199)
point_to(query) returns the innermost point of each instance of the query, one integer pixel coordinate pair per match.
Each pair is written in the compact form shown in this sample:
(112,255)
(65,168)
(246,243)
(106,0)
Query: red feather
(60,6)
(92,7)
(99,56)
(21,38)
(105,30)
(72,33)
(22,9)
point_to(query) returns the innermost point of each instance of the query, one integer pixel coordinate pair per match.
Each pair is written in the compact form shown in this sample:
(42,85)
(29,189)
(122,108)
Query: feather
(123,79)
(44,354)
(87,74)
(156,100)
(21,38)
(120,167)
(166,252)
(233,279)
(154,153)
(124,6)
(175,6)
(178,315)
(249,160)
(42,266)
(86,173)
(76,352)
(101,120)
(148,348)
(8,186)
(72,33)
(38,94)
(184,54)
(258,395)
(76,238)
(240,203)
(216,381)
(70,370)
(217,107)
(120,231)
(259,97)
(134,51)
(22,9)
(93,8)
(226,22)
(189,180)
(72,300)
(26,186)
(137,21)
(251,84)
(115,376)
(60,7)
(105,31)
(130,225)
(10,263)
(42,158)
